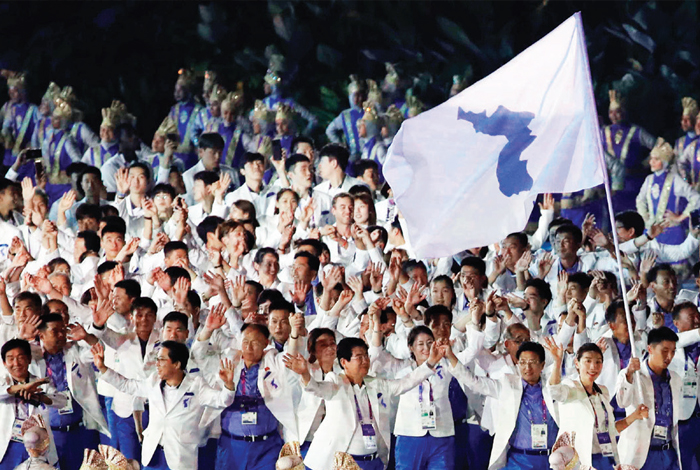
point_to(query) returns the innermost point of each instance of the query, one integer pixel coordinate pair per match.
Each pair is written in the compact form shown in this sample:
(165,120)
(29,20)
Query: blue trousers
(526,462)
(689,438)
(425,453)
(232,454)
(106,404)
(602,463)
(479,447)
(375,464)
(14,455)
(70,446)
(157,461)
(462,447)
(661,460)
(206,459)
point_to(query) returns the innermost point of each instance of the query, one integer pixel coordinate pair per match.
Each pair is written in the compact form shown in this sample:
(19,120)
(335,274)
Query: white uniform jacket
(635,440)
(177,429)
(336,431)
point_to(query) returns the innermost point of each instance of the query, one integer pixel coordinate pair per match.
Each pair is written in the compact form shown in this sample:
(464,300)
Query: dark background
(132,50)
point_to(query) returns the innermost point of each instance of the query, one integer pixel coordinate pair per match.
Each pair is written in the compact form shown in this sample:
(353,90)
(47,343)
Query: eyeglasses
(529,363)
(360,357)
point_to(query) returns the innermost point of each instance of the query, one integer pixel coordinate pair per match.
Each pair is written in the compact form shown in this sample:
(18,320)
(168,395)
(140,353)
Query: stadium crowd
(234,286)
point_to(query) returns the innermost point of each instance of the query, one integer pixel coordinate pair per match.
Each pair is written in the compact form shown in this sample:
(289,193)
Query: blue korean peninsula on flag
(467,172)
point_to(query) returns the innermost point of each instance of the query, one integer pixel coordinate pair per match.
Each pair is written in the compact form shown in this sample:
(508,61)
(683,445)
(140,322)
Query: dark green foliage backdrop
(132,50)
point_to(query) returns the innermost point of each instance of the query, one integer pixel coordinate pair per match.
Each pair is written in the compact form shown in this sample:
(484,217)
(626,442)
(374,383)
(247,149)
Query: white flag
(467,172)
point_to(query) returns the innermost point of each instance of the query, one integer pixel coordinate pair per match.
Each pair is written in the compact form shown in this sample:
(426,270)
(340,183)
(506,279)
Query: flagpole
(608,197)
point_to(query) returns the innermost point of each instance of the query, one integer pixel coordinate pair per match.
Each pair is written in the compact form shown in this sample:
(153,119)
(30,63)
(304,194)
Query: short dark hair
(177,352)
(678,308)
(50,318)
(109,211)
(521,237)
(176,272)
(631,220)
(131,287)
(656,269)
(431,313)
(88,211)
(572,230)
(474,262)
(336,152)
(5,183)
(696,270)
(532,347)
(262,329)
(282,305)
(144,166)
(246,207)
(92,240)
(293,160)
(411,265)
(194,299)
(543,289)
(357,189)
(112,227)
(582,279)
(172,246)
(611,312)
(31,297)
(164,188)
(312,242)
(211,140)
(260,254)
(253,157)
(588,347)
(363,165)
(177,317)
(664,333)
(314,263)
(145,302)
(301,139)
(106,267)
(206,177)
(17,343)
(345,347)
(208,225)
(79,167)
(272,295)
(383,234)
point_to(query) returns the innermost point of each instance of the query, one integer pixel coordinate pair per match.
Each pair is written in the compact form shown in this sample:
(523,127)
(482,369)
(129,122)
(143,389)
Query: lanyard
(595,415)
(359,413)
(243,374)
(544,413)
(420,393)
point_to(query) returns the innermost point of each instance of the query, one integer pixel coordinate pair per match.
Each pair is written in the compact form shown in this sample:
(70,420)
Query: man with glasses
(526,428)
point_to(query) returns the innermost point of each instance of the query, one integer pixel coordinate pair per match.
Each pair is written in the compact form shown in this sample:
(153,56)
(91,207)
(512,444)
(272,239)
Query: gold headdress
(185,77)
(217,94)
(52,92)
(62,109)
(343,461)
(116,115)
(68,95)
(92,460)
(290,457)
(110,118)
(261,112)
(393,114)
(415,106)
(209,81)
(14,79)
(114,459)
(36,438)
(617,101)
(392,77)
(355,84)
(235,98)
(166,127)
(662,150)
(375,93)
(370,110)
(284,111)
(690,107)
(275,69)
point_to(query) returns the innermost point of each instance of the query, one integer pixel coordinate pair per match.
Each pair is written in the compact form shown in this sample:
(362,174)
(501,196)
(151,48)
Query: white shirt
(357,443)
(110,167)
(348,182)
